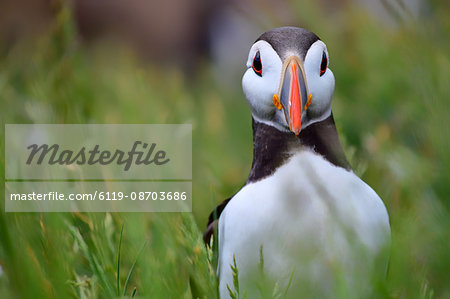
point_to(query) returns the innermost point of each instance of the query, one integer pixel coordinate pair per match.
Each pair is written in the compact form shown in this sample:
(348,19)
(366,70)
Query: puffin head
(288,83)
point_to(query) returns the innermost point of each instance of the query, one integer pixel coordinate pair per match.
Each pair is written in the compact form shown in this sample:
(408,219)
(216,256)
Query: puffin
(304,224)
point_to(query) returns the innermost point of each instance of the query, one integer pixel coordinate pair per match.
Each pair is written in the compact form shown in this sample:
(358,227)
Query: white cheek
(321,88)
(259,91)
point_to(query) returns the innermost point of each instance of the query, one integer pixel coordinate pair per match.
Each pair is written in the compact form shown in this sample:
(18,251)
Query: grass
(391,106)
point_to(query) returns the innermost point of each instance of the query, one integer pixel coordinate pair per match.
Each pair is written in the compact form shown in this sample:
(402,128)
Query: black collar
(271,147)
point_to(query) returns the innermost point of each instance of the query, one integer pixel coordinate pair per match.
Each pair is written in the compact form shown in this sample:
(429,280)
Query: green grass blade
(118,262)
(133,293)
(93,261)
(132,269)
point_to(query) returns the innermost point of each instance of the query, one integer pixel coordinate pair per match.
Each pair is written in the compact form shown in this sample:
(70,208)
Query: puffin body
(303,224)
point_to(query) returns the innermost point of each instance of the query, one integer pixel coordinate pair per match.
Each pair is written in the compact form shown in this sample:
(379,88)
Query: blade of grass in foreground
(118,261)
(93,261)
(132,269)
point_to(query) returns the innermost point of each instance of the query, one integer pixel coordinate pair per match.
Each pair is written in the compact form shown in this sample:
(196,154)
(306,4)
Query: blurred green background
(177,62)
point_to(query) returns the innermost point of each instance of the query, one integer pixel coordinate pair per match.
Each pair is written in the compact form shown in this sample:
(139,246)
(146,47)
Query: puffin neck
(272,148)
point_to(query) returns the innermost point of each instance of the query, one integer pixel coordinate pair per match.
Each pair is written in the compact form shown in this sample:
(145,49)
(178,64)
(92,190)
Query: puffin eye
(257,66)
(323,65)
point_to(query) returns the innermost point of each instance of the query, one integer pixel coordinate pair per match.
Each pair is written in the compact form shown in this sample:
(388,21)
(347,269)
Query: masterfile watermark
(130,168)
(94,156)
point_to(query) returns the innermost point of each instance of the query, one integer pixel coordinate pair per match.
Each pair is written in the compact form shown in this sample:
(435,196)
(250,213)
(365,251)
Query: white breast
(315,221)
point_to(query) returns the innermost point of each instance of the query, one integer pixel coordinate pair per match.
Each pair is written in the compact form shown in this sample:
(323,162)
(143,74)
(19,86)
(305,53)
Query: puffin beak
(293,93)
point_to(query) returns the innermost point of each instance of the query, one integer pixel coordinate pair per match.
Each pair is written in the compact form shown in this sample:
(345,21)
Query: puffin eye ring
(323,64)
(257,66)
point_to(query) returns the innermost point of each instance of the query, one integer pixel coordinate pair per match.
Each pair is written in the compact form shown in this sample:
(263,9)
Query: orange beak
(293,92)
(296,102)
